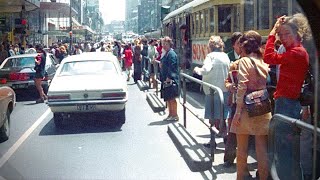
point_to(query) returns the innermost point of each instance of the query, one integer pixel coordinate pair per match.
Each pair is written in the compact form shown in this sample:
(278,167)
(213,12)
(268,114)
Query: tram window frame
(211,14)
(192,24)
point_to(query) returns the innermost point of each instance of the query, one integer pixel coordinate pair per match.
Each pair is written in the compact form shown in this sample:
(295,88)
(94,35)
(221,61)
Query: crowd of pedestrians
(241,71)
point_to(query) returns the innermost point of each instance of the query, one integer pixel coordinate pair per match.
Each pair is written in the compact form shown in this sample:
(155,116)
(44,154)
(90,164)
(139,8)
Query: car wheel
(5,128)
(57,118)
(122,116)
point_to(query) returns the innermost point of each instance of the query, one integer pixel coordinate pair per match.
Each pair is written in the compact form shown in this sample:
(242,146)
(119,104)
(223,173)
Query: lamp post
(70,33)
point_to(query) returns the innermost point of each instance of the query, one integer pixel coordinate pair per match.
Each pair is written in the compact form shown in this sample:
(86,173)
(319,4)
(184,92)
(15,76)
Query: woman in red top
(128,60)
(293,68)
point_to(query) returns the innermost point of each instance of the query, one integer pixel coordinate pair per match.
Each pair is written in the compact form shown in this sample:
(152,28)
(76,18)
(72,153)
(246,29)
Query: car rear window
(19,62)
(87,68)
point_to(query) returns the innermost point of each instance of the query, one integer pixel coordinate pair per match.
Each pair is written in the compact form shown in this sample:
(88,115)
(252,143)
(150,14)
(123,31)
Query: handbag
(169,91)
(307,92)
(257,102)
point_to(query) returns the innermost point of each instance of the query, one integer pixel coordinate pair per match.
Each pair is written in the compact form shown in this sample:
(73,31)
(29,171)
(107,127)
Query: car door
(50,66)
(3,104)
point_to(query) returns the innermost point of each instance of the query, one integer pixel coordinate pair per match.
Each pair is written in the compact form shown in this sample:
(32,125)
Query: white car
(88,83)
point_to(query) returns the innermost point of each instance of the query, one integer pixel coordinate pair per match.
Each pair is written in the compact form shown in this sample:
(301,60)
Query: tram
(191,25)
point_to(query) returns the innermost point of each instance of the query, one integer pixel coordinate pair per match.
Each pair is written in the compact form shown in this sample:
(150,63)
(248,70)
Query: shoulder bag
(257,102)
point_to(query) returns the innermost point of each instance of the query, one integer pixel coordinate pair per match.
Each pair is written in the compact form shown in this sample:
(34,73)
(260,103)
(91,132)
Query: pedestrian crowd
(244,71)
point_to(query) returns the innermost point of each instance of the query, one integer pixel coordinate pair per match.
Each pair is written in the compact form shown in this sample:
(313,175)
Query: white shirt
(215,70)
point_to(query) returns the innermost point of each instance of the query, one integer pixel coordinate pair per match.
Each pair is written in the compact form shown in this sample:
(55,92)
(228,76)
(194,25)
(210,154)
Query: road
(90,148)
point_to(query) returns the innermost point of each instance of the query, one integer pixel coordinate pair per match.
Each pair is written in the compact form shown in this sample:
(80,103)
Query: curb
(142,85)
(196,157)
(155,102)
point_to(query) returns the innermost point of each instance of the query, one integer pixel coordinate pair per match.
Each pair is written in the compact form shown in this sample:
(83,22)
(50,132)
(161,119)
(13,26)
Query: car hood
(87,82)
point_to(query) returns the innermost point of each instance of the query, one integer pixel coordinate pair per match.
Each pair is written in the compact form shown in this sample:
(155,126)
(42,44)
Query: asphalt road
(90,148)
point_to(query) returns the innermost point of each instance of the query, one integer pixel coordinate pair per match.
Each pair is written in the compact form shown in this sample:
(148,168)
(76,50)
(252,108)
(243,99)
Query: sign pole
(70,33)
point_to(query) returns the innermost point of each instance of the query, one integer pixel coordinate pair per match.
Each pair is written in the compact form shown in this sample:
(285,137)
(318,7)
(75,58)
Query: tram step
(194,154)
(155,102)
(142,85)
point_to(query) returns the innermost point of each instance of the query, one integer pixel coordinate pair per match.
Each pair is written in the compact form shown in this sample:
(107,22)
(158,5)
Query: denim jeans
(286,138)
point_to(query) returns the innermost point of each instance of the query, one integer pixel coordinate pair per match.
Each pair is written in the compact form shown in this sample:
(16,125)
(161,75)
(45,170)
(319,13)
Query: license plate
(86,107)
(19,86)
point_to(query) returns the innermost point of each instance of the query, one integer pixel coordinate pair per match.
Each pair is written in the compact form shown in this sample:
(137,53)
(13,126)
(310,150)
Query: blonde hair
(168,40)
(215,43)
(299,25)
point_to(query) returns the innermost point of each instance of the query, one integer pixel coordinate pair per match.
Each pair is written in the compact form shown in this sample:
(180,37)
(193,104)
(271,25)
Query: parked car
(7,103)
(18,71)
(88,83)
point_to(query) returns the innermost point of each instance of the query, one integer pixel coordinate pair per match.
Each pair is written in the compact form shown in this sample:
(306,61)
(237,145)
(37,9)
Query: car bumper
(86,106)
(23,84)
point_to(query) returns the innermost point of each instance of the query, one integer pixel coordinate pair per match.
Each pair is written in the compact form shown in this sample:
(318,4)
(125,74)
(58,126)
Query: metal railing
(296,126)
(213,89)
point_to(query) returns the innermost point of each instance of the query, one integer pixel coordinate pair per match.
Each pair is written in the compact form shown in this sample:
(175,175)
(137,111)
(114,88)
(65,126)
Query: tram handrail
(213,131)
(276,118)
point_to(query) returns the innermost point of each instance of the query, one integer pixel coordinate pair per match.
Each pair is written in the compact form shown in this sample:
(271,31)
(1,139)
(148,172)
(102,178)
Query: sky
(112,10)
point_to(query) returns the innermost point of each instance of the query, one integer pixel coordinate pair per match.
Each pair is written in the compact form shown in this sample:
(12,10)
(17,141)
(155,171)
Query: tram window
(296,7)
(224,19)
(211,20)
(197,22)
(192,25)
(279,7)
(206,19)
(248,15)
(263,14)
(201,22)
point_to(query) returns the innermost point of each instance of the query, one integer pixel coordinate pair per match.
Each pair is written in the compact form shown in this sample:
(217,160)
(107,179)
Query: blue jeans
(287,139)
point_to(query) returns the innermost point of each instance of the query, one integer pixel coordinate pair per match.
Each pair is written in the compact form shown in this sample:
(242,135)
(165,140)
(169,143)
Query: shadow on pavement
(81,124)
(161,123)
(26,95)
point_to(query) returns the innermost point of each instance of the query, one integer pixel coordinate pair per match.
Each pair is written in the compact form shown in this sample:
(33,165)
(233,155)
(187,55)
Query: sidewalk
(201,134)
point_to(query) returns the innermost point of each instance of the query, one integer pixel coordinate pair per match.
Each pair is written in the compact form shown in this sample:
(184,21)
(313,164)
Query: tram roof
(186,8)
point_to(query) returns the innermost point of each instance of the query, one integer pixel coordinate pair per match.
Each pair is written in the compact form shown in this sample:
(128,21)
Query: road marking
(16,145)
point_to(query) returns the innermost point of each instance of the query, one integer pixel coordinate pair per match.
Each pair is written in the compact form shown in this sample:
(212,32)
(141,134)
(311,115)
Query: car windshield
(19,62)
(87,68)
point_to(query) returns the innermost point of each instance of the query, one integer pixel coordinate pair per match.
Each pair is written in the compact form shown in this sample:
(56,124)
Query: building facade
(131,16)
(149,12)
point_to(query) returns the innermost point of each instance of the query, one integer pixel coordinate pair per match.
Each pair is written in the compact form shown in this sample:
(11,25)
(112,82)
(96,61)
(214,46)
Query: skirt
(258,125)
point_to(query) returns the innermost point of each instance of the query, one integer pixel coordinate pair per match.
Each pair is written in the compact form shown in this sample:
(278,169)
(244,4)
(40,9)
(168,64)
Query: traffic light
(10,36)
(20,30)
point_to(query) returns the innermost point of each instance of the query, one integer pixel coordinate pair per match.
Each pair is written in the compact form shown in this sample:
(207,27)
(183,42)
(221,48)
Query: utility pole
(70,33)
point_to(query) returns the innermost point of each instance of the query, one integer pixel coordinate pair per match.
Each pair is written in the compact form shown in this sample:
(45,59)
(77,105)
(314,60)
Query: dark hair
(251,42)
(235,36)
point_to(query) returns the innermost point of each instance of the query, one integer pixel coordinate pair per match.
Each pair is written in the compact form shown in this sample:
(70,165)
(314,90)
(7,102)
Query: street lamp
(70,33)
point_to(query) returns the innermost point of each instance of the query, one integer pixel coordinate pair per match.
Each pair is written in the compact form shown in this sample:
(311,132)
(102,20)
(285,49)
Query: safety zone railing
(213,89)
(278,124)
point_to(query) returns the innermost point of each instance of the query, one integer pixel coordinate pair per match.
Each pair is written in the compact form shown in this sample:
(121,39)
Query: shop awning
(56,9)
(12,6)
